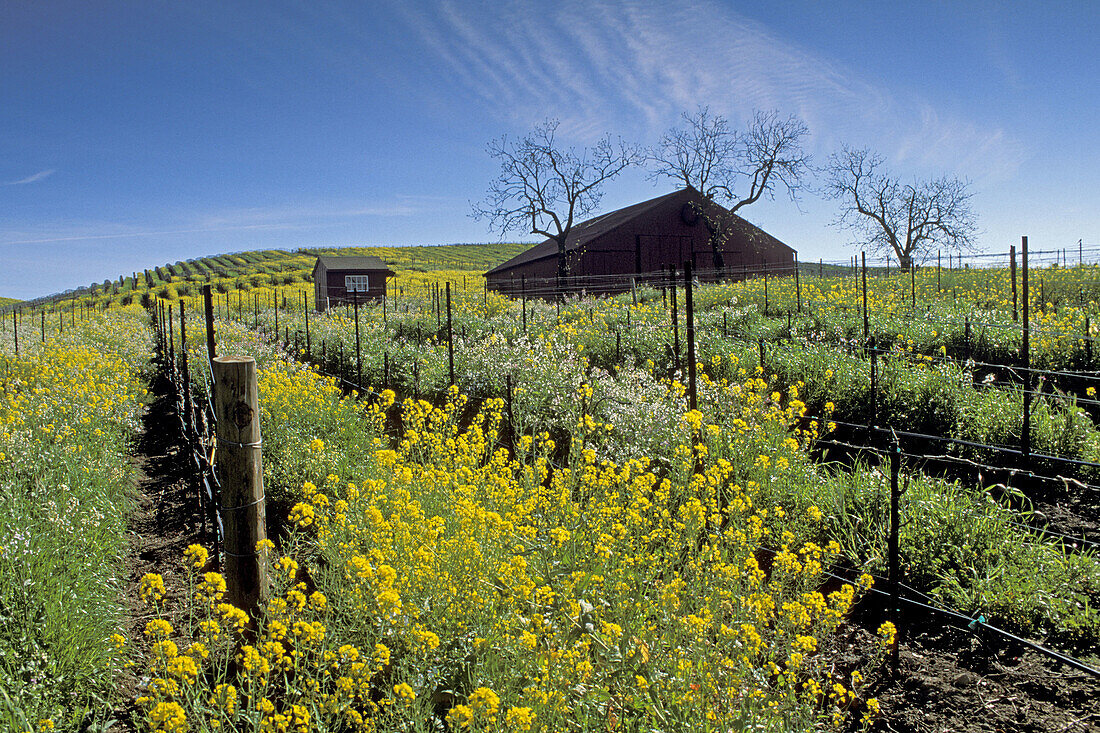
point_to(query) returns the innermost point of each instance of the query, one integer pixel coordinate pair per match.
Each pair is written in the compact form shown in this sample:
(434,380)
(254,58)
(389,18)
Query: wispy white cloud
(945,143)
(278,218)
(308,214)
(32,178)
(90,235)
(635,65)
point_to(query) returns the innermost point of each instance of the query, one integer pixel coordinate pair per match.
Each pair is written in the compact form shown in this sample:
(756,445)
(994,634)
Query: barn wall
(539,273)
(336,292)
(745,252)
(319,283)
(649,243)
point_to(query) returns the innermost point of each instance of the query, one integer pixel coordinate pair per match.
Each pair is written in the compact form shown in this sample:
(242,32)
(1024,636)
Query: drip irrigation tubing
(1071,540)
(974,464)
(908,311)
(959,441)
(966,364)
(973,623)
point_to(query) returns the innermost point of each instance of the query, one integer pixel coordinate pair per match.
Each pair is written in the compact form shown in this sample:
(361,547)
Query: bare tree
(733,168)
(545,189)
(906,219)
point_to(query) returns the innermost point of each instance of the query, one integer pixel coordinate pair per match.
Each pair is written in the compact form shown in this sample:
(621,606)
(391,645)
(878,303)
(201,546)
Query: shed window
(355,283)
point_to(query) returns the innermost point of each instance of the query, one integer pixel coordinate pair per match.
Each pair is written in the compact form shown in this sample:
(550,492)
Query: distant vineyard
(248,270)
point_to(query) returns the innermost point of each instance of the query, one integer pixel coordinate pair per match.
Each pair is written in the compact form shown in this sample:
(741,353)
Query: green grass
(70,409)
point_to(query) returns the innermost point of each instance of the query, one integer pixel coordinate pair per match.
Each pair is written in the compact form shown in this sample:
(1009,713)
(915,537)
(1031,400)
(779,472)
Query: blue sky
(138,133)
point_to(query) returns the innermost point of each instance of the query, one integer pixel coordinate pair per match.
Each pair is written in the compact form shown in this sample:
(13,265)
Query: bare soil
(1075,513)
(956,680)
(164,522)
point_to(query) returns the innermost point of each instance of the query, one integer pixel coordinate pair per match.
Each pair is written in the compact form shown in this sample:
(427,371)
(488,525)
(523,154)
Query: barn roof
(584,232)
(364,262)
(590,229)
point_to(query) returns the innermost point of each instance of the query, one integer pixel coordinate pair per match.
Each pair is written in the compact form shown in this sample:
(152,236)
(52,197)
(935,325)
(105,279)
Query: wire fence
(1019,464)
(196,418)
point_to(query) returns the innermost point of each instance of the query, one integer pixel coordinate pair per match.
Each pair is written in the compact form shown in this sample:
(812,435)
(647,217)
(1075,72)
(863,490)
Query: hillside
(8,301)
(278,267)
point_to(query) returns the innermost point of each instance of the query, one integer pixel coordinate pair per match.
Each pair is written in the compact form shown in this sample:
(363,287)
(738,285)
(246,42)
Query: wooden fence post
(966,337)
(1025,352)
(913,284)
(893,545)
(510,429)
(358,346)
(797,283)
(866,320)
(450,337)
(185,371)
(208,308)
(1012,268)
(240,473)
(1088,343)
(765,288)
(690,334)
(169,323)
(675,318)
(874,382)
(305,311)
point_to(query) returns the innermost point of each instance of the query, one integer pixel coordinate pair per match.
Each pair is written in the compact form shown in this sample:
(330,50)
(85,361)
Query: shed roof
(364,262)
(590,229)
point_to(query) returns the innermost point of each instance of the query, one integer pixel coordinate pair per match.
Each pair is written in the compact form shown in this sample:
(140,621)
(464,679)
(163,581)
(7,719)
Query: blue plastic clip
(974,624)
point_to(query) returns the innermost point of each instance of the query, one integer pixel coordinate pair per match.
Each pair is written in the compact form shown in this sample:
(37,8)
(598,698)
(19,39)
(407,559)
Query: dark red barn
(339,280)
(642,241)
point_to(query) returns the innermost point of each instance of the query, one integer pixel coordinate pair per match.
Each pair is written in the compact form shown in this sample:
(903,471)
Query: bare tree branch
(906,219)
(735,169)
(545,189)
